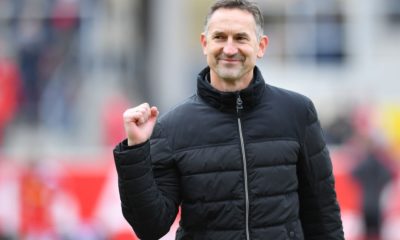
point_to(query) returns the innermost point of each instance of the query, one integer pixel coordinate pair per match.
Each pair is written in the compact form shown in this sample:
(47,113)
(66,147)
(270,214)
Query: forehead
(232,19)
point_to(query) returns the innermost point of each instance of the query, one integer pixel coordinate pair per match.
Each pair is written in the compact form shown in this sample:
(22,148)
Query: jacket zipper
(239,107)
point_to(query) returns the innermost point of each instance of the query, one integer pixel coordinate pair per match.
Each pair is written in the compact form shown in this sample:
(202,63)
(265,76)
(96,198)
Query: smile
(230,60)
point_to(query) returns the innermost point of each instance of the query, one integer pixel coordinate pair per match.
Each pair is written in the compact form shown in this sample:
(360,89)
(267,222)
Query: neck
(230,85)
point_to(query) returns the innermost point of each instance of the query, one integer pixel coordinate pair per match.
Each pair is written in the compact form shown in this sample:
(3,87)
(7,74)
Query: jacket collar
(226,101)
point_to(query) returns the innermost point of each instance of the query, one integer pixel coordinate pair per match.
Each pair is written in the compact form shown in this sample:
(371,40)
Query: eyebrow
(242,34)
(217,33)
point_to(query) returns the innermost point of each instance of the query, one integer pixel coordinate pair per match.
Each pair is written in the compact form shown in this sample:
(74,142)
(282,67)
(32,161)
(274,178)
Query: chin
(229,74)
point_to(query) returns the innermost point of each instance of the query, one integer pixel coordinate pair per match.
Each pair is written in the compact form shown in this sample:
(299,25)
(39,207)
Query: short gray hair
(242,5)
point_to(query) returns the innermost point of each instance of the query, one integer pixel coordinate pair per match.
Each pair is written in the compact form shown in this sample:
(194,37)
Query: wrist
(131,142)
(125,145)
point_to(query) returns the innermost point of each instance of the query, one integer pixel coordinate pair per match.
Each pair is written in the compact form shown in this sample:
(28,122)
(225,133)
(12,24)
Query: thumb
(153,114)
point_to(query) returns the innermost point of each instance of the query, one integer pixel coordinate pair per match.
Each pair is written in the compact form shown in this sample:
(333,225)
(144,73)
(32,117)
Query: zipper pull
(239,104)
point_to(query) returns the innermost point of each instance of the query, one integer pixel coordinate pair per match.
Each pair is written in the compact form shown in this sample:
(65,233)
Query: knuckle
(126,113)
(129,113)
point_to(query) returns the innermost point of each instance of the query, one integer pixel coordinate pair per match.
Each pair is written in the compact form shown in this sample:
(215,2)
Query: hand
(139,123)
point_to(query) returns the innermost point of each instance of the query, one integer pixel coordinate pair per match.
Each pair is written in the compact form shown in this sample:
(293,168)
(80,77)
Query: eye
(218,37)
(241,38)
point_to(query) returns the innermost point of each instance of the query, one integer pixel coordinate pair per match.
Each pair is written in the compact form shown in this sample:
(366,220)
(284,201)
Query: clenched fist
(139,123)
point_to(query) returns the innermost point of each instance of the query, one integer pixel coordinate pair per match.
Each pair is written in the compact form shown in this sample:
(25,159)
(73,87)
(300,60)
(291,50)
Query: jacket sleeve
(148,184)
(319,210)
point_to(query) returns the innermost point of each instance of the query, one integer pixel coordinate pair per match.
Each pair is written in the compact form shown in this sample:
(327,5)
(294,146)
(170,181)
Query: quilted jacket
(248,165)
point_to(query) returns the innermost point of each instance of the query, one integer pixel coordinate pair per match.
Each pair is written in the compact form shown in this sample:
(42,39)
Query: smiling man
(232,43)
(243,159)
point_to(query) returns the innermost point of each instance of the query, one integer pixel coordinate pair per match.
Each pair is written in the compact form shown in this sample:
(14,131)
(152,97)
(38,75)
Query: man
(243,159)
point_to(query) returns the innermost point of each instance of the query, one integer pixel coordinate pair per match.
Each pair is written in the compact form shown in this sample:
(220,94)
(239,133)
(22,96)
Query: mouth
(230,60)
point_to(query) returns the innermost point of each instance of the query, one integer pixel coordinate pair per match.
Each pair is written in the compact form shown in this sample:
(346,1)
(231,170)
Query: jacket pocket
(294,230)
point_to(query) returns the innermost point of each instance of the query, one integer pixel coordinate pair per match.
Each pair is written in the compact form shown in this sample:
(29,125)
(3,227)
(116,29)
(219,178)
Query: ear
(262,46)
(203,41)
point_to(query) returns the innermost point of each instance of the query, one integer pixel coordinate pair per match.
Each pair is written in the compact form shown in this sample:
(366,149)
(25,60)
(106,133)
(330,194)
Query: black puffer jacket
(247,165)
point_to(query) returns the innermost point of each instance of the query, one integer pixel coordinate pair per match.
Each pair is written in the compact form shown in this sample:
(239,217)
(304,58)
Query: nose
(230,48)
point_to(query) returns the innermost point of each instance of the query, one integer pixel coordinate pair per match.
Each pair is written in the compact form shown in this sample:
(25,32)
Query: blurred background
(69,68)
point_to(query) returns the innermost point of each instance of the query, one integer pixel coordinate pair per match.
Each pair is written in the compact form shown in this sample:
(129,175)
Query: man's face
(231,44)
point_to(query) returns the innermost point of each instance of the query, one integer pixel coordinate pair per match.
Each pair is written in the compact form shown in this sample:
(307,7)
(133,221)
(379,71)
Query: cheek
(214,48)
(251,54)
(212,53)
(211,59)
